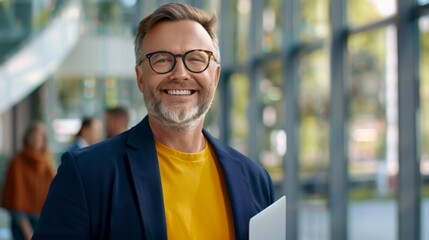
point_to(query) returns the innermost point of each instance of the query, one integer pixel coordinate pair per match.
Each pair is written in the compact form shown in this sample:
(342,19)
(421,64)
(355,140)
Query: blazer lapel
(143,162)
(237,186)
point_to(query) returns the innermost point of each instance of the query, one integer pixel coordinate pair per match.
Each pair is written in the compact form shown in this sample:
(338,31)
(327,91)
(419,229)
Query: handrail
(42,54)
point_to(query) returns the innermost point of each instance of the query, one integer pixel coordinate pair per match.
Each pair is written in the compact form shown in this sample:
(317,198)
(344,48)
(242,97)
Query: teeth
(179,92)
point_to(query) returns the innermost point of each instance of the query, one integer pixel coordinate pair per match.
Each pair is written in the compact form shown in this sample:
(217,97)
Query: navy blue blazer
(112,190)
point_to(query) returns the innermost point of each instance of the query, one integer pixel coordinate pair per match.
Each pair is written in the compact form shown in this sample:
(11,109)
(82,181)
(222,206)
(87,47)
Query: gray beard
(177,120)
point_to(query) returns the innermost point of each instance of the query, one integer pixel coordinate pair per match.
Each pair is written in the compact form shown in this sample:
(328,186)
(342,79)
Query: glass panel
(372,135)
(314,20)
(273,134)
(239,84)
(424,127)
(314,145)
(365,11)
(272,26)
(243,22)
(422,2)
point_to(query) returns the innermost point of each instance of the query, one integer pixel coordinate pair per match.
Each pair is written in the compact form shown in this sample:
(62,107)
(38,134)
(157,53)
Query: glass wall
(314,147)
(271,19)
(243,24)
(372,131)
(239,84)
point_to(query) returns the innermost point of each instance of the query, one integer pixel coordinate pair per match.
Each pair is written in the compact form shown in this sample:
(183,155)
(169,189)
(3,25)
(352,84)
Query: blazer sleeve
(65,212)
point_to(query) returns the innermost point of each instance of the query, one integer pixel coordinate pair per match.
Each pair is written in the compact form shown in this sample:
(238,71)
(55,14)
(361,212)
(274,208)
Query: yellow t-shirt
(196,201)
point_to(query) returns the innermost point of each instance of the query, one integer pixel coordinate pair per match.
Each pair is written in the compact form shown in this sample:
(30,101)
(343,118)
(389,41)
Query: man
(166,177)
(116,121)
(89,133)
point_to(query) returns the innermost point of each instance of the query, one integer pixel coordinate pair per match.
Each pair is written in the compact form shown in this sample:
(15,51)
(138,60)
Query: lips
(182,92)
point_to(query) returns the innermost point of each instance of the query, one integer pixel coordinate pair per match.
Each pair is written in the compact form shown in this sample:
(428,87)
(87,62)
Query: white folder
(270,223)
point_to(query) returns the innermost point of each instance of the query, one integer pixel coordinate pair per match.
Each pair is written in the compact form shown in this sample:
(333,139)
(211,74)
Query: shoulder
(73,146)
(17,159)
(223,150)
(94,167)
(108,154)
(105,150)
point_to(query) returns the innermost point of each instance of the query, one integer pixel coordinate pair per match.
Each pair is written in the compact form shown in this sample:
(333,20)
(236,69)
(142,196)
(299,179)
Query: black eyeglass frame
(183,56)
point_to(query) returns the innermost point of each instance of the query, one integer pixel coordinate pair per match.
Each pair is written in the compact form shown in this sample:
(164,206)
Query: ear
(217,75)
(139,77)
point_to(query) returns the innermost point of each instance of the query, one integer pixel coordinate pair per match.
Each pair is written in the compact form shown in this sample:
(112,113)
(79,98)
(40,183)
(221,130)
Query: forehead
(177,36)
(97,123)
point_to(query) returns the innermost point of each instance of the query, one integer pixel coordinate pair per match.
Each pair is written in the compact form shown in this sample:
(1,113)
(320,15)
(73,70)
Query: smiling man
(167,177)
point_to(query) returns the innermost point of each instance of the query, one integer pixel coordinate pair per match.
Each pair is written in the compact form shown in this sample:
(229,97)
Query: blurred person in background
(27,182)
(117,119)
(167,177)
(90,132)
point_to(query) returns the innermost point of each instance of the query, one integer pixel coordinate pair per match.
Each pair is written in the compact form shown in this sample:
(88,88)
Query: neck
(191,141)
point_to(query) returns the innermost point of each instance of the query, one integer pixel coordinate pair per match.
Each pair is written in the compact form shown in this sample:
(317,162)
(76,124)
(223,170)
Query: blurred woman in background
(27,182)
(90,132)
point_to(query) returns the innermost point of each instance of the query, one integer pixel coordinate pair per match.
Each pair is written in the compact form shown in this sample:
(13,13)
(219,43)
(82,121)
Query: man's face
(110,125)
(95,132)
(179,98)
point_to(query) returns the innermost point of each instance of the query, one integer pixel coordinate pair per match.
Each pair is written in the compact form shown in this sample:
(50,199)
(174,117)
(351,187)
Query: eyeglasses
(196,61)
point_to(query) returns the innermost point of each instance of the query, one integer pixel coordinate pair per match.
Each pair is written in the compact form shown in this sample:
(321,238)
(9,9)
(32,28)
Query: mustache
(182,85)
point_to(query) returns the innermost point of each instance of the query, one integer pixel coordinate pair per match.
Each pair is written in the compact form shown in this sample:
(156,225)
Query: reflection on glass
(362,12)
(422,2)
(424,127)
(314,144)
(372,134)
(314,20)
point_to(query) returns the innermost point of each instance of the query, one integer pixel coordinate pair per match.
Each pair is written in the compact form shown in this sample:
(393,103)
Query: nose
(180,69)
